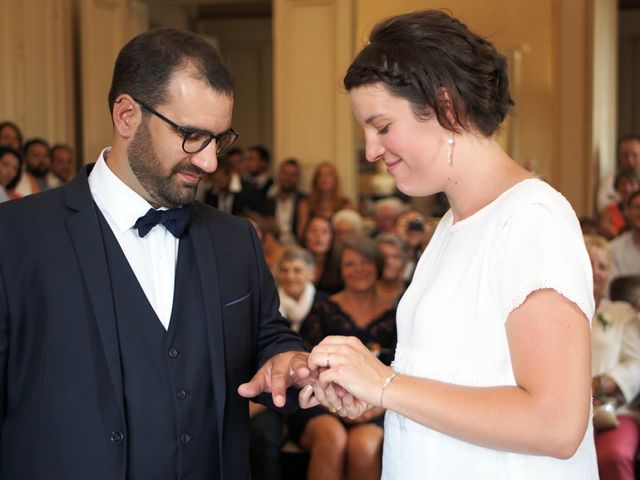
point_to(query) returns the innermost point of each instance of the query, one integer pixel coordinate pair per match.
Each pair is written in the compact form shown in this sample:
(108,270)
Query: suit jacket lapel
(84,229)
(205,253)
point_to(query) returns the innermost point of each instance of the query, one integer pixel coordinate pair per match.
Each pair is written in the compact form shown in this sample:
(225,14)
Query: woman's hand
(353,379)
(366,416)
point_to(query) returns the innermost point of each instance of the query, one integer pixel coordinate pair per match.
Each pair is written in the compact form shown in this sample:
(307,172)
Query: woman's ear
(126,116)
(444,100)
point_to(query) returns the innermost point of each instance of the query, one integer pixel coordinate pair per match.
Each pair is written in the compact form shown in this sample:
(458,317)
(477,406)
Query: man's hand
(276,375)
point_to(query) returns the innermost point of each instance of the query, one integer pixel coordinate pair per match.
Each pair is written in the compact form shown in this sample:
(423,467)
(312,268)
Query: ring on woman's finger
(328,358)
(334,410)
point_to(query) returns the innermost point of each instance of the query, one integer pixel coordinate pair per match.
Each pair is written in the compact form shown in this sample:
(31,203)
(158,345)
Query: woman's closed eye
(385,129)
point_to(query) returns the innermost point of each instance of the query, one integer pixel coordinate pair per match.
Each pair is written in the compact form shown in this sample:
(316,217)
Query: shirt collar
(235,184)
(261,179)
(114,197)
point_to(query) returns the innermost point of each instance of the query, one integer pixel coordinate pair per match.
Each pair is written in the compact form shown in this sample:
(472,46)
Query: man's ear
(126,116)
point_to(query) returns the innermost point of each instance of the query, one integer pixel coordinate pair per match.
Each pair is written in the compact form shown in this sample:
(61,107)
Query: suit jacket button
(117,437)
(173,353)
(181,394)
(186,438)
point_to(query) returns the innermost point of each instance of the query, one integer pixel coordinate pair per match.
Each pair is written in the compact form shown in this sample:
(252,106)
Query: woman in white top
(615,365)
(491,377)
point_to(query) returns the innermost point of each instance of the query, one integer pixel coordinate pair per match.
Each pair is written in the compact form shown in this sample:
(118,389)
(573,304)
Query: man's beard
(165,191)
(284,188)
(37,171)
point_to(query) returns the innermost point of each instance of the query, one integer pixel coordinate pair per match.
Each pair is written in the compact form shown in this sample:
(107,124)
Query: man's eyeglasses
(194,141)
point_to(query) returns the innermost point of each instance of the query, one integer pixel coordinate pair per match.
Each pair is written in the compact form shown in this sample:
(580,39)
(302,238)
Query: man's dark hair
(233,151)
(263,153)
(290,161)
(623,139)
(61,146)
(34,141)
(625,288)
(420,56)
(4,149)
(15,128)
(144,66)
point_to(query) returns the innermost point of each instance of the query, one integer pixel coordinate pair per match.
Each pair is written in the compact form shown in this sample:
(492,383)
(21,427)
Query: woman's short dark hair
(4,150)
(144,66)
(419,56)
(366,247)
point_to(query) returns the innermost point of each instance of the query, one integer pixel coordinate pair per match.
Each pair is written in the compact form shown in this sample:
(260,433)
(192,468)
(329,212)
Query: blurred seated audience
(256,164)
(63,165)
(287,203)
(271,246)
(626,288)
(615,367)
(318,239)
(626,246)
(228,192)
(11,136)
(338,447)
(589,226)
(37,163)
(385,213)
(256,220)
(10,171)
(297,293)
(413,229)
(627,156)
(612,219)
(235,157)
(345,223)
(391,284)
(325,197)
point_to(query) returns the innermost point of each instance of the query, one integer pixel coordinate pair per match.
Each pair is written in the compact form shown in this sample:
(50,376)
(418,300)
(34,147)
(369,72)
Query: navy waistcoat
(168,389)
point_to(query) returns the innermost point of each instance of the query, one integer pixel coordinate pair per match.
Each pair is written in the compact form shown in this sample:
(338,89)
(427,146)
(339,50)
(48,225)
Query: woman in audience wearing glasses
(491,376)
(340,446)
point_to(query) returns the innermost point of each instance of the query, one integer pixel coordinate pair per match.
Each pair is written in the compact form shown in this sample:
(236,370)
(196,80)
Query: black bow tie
(175,220)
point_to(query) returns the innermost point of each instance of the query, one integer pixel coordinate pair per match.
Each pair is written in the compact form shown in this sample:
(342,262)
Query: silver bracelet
(386,383)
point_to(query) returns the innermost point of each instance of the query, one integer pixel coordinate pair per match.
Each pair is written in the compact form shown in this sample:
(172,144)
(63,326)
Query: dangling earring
(450,141)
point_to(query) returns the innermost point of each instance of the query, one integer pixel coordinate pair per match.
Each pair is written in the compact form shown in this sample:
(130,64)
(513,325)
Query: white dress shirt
(152,258)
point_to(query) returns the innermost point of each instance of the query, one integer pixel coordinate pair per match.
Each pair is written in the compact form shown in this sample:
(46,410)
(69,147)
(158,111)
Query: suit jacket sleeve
(4,348)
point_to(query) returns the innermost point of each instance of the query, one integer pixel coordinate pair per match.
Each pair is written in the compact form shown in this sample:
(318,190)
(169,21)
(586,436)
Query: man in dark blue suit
(132,318)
